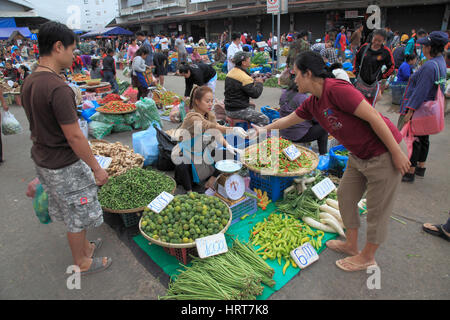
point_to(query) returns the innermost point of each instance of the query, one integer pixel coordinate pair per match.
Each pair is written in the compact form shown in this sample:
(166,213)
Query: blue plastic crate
(247,206)
(272,184)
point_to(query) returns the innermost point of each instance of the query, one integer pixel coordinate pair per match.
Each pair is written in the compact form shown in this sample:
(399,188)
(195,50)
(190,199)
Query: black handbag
(165,146)
(368,90)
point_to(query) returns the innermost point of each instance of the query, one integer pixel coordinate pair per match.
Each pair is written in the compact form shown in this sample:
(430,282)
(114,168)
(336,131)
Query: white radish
(335,213)
(318,225)
(332,223)
(326,215)
(332,203)
(309,180)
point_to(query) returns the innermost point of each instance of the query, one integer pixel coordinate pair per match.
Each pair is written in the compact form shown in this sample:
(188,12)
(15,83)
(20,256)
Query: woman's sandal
(97,266)
(349,266)
(439,233)
(97,243)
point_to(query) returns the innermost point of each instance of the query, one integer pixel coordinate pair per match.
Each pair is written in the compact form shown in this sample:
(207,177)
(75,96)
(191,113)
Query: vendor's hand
(238,131)
(234,151)
(408,116)
(210,183)
(401,162)
(259,79)
(258,129)
(101,177)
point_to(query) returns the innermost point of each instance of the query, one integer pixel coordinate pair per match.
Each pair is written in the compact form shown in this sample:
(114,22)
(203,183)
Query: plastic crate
(130,219)
(103,89)
(397,90)
(183,254)
(272,184)
(247,206)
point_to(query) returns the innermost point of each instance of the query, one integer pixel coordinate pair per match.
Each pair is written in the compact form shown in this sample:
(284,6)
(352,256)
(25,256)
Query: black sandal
(439,233)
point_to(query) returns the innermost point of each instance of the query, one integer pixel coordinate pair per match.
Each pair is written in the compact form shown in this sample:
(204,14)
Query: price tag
(104,162)
(160,202)
(323,188)
(304,255)
(292,152)
(211,245)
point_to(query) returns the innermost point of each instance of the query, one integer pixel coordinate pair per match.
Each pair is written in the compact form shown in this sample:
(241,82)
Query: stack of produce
(110,97)
(261,197)
(274,144)
(123,158)
(278,235)
(186,218)
(117,107)
(165,98)
(78,77)
(234,275)
(321,214)
(136,188)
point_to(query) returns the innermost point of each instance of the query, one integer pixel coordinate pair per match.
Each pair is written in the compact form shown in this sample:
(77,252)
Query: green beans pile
(135,188)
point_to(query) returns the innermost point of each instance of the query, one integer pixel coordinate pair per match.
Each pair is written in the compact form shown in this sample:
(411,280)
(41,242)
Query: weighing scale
(229,186)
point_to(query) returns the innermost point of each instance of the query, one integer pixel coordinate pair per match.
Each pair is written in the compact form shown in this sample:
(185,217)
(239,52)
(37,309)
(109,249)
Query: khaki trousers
(381,179)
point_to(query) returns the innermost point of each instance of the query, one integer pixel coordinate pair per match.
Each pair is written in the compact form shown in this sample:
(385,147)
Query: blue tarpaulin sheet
(113,31)
(5,33)
(7,23)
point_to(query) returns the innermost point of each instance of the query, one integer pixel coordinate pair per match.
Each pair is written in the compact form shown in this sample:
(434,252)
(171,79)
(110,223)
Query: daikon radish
(335,225)
(318,225)
(326,215)
(332,203)
(335,213)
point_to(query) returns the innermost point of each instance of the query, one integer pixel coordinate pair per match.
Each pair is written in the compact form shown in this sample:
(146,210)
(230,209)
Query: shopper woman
(377,157)
(138,70)
(422,87)
(306,131)
(131,51)
(186,173)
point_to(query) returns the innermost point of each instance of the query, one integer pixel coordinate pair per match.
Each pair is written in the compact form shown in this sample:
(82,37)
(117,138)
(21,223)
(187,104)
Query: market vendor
(11,73)
(199,74)
(200,105)
(306,131)
(377,157)
(138,70)
(239,88)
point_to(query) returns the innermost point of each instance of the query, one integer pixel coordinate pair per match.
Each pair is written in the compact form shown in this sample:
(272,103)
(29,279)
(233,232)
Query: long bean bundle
(234,275)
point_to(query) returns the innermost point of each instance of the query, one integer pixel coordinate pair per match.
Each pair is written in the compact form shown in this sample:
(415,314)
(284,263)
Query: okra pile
(135,188)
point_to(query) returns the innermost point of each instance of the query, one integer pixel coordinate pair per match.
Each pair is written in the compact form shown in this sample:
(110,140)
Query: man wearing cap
(422,87)
(239,88)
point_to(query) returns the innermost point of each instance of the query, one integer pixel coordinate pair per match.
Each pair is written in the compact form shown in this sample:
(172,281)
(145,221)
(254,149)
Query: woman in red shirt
(377,157)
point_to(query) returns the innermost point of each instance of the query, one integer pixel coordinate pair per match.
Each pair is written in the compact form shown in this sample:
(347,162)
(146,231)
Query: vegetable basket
(136,210)
(182,245)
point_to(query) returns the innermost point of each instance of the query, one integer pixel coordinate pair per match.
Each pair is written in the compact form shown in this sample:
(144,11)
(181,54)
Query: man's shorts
(72,196)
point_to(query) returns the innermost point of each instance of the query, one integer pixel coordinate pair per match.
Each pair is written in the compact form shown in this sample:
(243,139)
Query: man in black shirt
(109,70)
(196,73)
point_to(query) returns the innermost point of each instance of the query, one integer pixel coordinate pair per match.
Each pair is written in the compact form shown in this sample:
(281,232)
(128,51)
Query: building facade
(210,18)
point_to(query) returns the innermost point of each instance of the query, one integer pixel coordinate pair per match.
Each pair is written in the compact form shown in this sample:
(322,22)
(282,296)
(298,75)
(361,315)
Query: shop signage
(323,188)
(292,152)
(160,202)
(34,37)
(211,245)
(273,6)
(304,255)
(351,14)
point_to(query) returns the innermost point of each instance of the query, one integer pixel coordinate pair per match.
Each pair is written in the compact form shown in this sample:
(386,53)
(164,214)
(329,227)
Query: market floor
(34,257)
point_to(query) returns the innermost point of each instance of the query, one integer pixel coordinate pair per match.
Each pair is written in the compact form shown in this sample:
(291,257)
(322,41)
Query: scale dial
(234,187)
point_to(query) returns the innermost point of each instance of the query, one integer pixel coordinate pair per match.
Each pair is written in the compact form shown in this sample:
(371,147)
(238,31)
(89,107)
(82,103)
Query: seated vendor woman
(305,131)
(200,118)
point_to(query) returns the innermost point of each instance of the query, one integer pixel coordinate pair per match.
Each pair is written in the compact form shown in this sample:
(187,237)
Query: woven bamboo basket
(182,245)
(300,172)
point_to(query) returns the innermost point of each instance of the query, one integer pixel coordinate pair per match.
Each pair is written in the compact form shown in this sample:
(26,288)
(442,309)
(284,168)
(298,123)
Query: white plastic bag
(10,125)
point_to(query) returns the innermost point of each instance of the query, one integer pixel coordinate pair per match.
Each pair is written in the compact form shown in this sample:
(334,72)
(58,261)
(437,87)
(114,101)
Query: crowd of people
(320,100)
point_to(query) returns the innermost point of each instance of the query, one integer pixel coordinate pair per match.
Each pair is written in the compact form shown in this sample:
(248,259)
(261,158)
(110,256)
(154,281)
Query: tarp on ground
(5,33)
(112,31)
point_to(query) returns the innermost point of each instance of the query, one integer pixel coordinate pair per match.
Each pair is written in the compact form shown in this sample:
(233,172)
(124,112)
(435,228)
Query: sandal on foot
(439,233)
(97,243)
(97,266)
(338,249)
(347,265)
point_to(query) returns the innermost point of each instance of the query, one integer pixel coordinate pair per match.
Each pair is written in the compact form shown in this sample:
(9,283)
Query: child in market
(377,157)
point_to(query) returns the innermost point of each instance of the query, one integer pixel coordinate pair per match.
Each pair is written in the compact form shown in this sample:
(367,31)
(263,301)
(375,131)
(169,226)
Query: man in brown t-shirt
(65,165)
(355,39)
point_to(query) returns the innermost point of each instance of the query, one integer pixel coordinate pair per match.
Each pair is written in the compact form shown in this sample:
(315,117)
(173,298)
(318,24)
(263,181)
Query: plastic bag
(40,205)
(122,127)
(165,146)
(99,130)
(84,127)
(131,93)
(338,162)
(429,118)
(130,118)
(408,136)
(175,114)
(147,113)
(126,71)
(324,162)
(108,118)
(10,125)
(146,144)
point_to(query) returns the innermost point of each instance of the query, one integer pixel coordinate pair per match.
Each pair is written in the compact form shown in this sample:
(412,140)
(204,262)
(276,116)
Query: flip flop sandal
(98,243)
(354,267)
(439,233)
(97,266)
(337,249)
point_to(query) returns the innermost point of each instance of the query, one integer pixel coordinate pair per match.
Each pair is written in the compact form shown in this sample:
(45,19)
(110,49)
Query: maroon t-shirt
(334,111)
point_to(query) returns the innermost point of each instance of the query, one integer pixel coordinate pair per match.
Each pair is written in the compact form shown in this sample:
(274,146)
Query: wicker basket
(182,245)
(300,172)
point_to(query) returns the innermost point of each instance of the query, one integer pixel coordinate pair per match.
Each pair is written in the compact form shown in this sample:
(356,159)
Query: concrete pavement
(34,257)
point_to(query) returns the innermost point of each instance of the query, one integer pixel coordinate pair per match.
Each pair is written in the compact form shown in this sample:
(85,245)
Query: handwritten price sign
(304,255)
(211,245)
(292,152)
(160,202)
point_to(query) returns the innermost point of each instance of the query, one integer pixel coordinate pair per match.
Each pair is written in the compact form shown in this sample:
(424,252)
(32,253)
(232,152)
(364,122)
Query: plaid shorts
(72,196)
